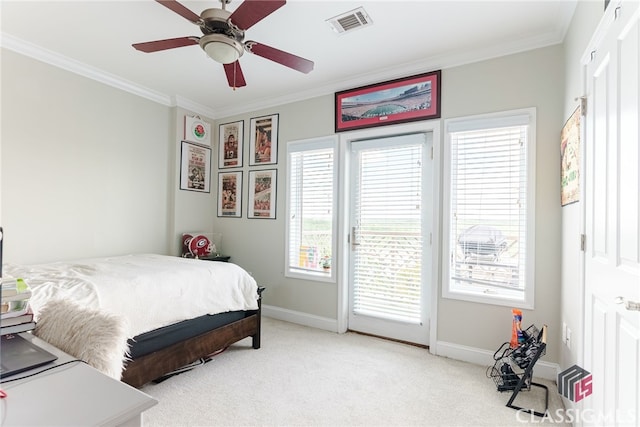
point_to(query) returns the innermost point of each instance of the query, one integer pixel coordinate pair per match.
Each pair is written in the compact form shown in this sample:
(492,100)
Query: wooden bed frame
(140,371)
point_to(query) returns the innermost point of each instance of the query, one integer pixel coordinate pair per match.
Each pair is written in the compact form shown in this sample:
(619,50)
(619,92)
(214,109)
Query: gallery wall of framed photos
(261,183)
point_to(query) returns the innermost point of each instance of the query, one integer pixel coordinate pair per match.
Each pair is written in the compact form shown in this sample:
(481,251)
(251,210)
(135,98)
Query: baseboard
(543,369)
(300,318)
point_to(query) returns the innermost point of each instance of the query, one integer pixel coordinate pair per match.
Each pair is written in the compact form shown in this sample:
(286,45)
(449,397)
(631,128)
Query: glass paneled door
(390,220)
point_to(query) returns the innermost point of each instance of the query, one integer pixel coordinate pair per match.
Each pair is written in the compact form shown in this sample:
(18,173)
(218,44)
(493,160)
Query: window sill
(317,276)
(514,299)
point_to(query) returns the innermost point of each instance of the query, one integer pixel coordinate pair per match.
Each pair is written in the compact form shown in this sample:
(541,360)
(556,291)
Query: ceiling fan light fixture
(221,48)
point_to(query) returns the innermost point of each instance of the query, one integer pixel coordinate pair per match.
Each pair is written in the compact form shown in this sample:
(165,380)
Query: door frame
(429,126)
(415,331)
(604,27)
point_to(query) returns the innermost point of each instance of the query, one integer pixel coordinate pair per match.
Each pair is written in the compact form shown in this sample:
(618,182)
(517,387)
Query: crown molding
(440,62)
(509,47)
(187,104)
(39,53)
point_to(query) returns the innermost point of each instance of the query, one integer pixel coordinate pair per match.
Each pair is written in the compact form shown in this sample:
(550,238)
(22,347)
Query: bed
(175,310)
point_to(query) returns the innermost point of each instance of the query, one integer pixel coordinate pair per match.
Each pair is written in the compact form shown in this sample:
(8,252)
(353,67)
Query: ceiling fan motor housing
(216,21)
(217,32)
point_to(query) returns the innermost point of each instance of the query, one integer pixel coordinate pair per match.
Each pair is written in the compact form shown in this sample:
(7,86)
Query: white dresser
(70,394)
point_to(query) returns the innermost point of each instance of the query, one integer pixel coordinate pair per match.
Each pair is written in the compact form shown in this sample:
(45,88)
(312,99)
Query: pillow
(98,338)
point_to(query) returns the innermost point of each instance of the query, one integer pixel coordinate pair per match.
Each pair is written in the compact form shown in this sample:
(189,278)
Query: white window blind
(311,208)
(489,213)
(388,209)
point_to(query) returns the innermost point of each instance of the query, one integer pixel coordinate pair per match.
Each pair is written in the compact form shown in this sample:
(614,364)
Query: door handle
(629,305)
(353,239)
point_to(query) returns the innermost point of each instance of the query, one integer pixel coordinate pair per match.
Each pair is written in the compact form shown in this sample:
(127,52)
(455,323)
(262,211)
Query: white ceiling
(94,38)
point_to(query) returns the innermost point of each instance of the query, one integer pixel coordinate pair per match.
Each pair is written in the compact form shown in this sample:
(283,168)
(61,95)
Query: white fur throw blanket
(96,337)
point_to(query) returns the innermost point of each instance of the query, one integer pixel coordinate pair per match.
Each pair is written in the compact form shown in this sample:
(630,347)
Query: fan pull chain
(234,73)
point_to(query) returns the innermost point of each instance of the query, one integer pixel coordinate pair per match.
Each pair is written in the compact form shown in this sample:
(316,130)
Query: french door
(612,221)
(389,239)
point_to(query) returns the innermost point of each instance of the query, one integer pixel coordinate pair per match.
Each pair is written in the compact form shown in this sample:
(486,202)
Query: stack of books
(16,314)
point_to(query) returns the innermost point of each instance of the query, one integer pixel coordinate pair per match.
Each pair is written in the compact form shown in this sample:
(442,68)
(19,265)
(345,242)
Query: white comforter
(149,290)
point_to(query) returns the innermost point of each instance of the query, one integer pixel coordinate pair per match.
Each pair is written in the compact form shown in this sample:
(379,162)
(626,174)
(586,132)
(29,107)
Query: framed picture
(230,145)
(195,167)
(230,194)
(570,160)
(197,130)
(263,149)
(395,101)
(262,193)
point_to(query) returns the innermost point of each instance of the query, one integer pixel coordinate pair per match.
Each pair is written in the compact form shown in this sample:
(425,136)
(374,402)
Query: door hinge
(431,153)
(583,242)
(583,106)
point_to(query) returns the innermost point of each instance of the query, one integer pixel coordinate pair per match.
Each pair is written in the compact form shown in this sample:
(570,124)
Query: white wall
(534,78)
(585,20)
(84,166)
(530,79)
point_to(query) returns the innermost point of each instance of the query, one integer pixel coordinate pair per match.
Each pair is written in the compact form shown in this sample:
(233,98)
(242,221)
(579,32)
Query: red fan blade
(157,45)
(180,10)
(234,74)
(279,56)
(252,11)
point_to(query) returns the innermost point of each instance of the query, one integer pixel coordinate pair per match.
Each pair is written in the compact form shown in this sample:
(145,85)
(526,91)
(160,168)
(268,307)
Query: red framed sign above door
(395,101)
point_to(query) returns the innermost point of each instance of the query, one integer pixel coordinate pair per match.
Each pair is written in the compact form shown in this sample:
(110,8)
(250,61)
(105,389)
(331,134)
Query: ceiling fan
(223,37)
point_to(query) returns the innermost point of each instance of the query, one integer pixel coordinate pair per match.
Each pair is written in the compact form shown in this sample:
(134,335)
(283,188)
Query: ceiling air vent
(350,21)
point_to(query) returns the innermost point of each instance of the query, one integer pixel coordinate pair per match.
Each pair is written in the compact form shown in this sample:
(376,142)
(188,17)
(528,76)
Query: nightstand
(221,258)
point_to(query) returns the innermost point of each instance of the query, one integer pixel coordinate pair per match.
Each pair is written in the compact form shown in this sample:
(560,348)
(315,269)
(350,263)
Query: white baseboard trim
(543,369)
(300,318)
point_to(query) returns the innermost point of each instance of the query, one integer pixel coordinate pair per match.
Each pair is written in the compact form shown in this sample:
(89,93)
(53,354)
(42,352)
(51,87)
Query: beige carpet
(308,377)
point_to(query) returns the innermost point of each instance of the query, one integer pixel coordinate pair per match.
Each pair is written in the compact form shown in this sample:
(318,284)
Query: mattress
(151,291)
(160,338)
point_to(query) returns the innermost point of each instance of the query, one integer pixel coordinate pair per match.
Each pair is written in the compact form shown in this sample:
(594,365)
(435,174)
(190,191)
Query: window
(311,208)
(489,208)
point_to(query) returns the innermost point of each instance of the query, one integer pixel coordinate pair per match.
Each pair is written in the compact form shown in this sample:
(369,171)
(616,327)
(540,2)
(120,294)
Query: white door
(612,222)
(390,255)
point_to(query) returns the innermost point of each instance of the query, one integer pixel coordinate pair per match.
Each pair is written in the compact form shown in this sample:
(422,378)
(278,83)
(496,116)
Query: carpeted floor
(308,377)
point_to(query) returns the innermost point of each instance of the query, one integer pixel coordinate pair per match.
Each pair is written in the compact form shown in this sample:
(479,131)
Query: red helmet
(186,239)
(200,246)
